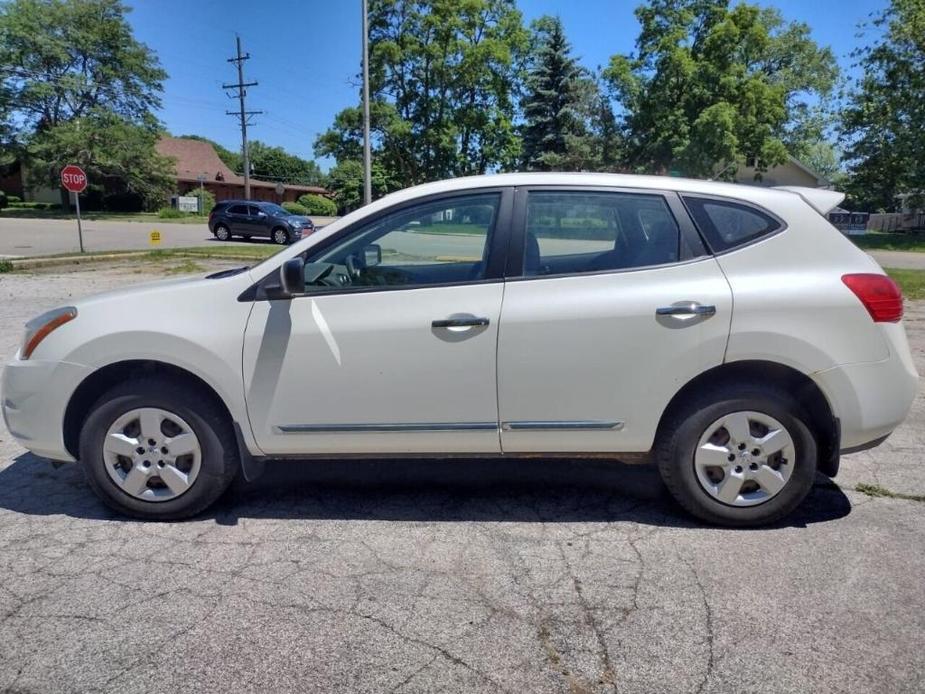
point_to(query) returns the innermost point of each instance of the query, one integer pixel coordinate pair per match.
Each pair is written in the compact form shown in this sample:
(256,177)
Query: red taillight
(880,295)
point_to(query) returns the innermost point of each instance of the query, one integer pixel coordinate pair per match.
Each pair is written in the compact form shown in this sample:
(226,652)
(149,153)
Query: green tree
(345,181)
(560,96)
(712,85)
(79,87)
(62,59)
(117,155)
(883,125)
(277,164)
(443,77)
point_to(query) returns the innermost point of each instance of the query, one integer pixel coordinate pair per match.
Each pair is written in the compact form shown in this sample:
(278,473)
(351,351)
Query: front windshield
(271,208)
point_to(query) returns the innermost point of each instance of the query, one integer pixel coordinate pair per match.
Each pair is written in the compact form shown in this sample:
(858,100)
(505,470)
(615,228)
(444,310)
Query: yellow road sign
(155,238)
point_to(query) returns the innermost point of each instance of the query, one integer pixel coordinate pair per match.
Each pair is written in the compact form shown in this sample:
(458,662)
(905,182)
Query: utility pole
(367,154)
(242,114)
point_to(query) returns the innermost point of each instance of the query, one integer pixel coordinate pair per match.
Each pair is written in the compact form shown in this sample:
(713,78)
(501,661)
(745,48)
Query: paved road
(421,576)
(28,237)
(900,259)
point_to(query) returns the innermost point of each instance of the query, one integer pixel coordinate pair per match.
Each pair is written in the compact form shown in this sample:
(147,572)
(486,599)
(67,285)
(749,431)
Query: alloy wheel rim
(279,236)
(222,233)
(744,458)
(152,454)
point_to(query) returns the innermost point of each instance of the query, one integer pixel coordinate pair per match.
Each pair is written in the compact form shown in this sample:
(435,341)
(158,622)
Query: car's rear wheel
(222,232)
(280,236)
(738,455)
(158,449)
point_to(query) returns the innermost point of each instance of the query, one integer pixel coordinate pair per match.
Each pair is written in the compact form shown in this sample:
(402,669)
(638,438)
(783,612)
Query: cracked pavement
(414,576)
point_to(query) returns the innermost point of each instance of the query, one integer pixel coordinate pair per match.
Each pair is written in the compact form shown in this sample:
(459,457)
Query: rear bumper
(33,398)
(870,399)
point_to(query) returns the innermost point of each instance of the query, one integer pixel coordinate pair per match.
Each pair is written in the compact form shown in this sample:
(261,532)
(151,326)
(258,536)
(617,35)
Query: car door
(391,349)
(258,221)
(239,220)
(611,305)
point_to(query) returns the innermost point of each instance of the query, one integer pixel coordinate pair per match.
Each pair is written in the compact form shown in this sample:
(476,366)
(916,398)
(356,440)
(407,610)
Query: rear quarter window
(726,224)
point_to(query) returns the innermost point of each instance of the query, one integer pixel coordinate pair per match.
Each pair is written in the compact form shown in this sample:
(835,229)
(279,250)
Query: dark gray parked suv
(255,218)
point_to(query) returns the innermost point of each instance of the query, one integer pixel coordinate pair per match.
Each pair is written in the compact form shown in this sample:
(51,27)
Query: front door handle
(687,308)
(459,322)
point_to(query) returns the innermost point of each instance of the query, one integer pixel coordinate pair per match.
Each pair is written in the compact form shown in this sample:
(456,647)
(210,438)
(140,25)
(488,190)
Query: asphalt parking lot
(455,575)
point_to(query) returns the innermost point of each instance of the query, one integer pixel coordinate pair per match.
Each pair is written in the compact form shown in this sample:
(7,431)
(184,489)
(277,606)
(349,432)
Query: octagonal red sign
(73,178)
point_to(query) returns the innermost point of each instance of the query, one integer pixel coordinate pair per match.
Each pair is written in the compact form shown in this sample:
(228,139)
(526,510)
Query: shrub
(13,198)
(318,204)
(6,266)
(171,213)
(207,202)
(295,208)
(122,202)
(33,205)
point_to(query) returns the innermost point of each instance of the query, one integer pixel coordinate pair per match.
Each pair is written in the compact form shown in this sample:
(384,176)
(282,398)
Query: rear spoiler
(821,200)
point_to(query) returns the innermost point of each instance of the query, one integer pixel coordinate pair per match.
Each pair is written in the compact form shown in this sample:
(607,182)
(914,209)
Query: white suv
(728,331)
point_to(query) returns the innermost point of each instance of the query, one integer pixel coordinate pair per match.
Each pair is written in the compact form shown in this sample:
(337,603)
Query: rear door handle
(459,322)
(688,308)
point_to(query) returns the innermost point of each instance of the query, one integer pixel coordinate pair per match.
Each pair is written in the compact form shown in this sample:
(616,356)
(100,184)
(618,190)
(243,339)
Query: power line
(242,113)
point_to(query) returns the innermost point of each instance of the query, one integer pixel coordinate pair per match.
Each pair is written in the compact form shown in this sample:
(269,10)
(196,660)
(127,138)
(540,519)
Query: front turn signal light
(42,326)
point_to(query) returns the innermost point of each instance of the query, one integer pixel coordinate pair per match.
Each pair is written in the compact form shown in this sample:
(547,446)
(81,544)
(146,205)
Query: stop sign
(73,178)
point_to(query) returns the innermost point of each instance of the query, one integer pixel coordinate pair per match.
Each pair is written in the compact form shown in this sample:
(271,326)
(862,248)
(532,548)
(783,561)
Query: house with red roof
(195,158)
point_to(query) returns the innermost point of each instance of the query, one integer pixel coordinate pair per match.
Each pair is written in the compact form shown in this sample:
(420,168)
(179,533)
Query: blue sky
(305,55)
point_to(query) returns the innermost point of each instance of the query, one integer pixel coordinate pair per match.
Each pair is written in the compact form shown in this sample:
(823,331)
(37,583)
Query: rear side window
(728,224)
(238,209)
(574,232)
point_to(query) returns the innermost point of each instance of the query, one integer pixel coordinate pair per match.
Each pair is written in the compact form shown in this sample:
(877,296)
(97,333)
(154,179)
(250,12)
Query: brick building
(194,158)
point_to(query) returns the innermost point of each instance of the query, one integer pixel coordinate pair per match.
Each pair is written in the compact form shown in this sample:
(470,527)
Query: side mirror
(372,255)
(292,276)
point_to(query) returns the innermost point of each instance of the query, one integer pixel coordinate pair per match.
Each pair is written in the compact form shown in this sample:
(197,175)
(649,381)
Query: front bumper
(33,398)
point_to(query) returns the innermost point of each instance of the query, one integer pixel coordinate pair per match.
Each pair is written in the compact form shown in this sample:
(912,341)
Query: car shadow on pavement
(444,490)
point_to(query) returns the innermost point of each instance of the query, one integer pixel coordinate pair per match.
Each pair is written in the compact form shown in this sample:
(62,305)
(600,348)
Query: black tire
(222,232)
(280,236)
(679,435)
(219,459)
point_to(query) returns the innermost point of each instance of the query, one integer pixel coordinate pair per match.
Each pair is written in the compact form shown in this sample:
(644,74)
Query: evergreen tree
(559,91)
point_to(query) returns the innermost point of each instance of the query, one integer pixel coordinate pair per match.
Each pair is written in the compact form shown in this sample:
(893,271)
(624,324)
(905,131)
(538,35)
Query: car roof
(757,194)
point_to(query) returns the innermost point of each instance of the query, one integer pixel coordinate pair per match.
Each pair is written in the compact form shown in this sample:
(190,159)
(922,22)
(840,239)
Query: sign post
(201,178)
(74,179)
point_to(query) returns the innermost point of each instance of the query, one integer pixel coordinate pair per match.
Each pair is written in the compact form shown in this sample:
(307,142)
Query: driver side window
(439,242)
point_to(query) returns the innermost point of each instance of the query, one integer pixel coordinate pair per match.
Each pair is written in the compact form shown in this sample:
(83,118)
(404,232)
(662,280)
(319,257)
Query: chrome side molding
(417,427)
(566,425)
(403,427)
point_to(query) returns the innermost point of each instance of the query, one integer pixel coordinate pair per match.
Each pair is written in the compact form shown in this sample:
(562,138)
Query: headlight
(42,326)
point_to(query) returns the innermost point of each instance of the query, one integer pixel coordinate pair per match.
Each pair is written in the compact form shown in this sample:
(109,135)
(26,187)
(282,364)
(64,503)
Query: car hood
(171,289)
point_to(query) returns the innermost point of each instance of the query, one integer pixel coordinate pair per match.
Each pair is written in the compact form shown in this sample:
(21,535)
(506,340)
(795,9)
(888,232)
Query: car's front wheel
(222,233)
(158,449)
(738,455)
(280,236)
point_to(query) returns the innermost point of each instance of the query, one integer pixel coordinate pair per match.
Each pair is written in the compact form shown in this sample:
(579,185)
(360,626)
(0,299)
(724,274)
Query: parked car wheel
(280,236)
(738,456)
(222,233)
(158,449)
